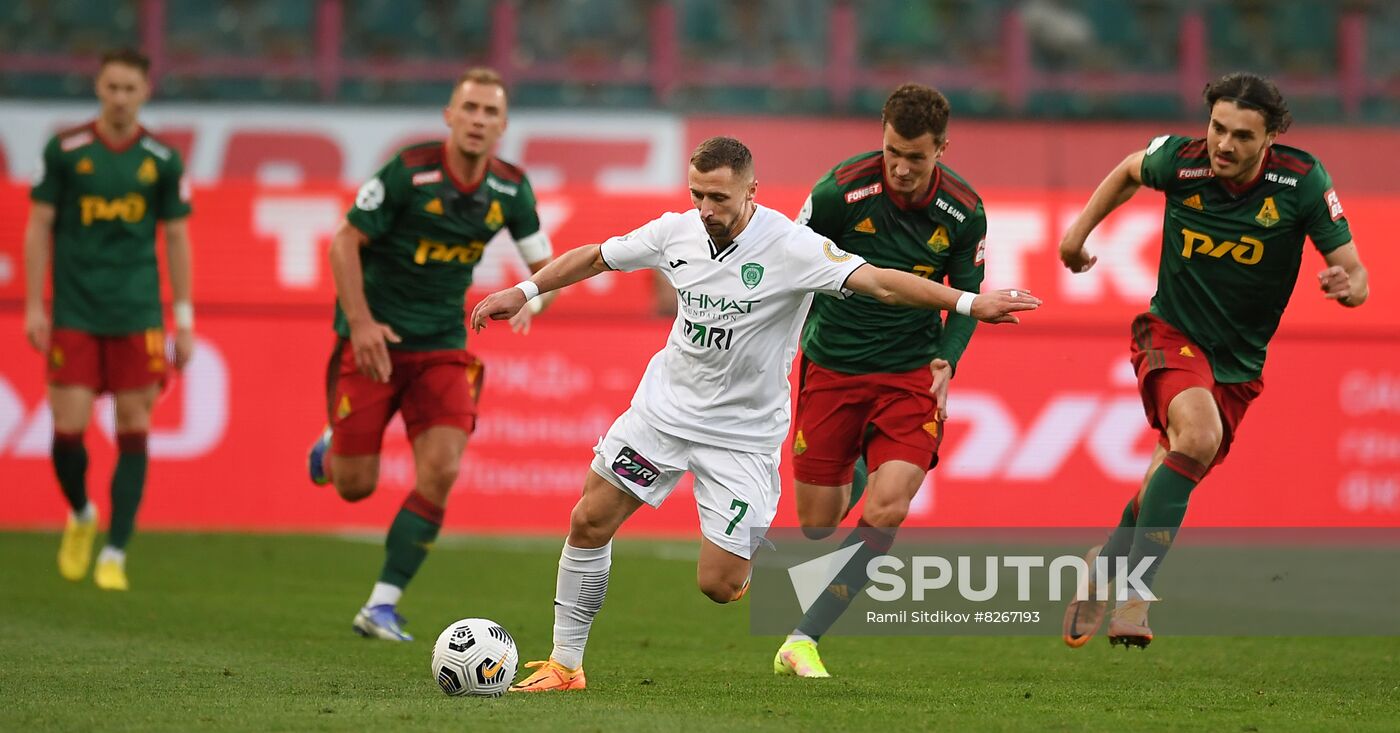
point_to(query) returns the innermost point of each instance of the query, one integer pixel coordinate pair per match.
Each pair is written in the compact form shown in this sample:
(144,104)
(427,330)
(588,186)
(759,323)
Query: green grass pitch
(244,632)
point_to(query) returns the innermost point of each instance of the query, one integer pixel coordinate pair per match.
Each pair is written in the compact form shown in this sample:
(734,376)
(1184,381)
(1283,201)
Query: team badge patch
(799,444)
(1268,213)
(939,240)
(752,274)
(834,253)
(494,218)
(147,172)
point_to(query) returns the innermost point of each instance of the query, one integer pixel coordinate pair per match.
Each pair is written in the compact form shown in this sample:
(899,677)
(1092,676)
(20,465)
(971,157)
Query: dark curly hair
(914,109)
(1251,91)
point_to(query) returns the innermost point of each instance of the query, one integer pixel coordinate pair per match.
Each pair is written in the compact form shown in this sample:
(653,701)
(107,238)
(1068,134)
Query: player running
(714,400)
(874,380)
(101,191)
(402,261)
(1238,207)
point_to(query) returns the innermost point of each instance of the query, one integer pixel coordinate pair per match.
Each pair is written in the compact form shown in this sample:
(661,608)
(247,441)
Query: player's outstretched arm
(1115,190)
(1345,280)
(38,250)
(573,266)
(893,287)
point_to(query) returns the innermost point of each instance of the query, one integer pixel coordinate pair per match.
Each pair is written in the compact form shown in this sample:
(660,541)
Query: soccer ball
(474,656)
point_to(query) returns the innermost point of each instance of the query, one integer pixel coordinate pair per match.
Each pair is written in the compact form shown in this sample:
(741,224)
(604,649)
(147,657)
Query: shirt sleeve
(524,225)
(1321,210)
(641,248)
(966,269)
(379,201)
(173,190)
(822,211)
(817,265)
(49,178)
(1159,165)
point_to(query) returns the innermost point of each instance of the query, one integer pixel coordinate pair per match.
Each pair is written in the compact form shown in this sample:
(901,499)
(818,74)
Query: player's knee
(886,512)
(819,532)
(588,529)
(720,589)
(1200,442)
(354,486)
(439,475)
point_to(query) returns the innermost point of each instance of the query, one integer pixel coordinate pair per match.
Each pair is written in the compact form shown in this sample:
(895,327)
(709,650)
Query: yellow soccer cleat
(1128,625)
(75,549)
(550,675)
(1083,617)
(110,574)
(799,658)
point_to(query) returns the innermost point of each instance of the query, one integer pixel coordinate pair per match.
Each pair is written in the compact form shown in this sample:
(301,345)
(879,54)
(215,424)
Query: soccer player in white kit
(714,400)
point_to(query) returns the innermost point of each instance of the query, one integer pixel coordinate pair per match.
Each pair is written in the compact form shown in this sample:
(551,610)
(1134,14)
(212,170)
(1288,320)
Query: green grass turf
(239,632)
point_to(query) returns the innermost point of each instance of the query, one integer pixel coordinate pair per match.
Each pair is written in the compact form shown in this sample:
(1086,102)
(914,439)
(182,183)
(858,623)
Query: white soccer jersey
(722,378)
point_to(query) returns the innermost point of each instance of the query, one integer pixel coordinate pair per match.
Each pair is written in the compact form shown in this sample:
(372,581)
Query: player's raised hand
(520,322)
(184,346)
(38,328)
(370,340)
(942,373)
(1335,282)
(999,306)
(497,306)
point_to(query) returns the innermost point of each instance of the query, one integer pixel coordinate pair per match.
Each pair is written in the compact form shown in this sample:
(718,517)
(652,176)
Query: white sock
(798,636)
(384,593)
(111,553)
(578,596)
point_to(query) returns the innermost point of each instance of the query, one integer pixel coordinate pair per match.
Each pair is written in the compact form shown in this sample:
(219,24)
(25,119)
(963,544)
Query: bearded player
(1238,206)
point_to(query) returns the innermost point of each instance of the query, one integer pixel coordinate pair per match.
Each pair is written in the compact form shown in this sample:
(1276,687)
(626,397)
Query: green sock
(414,529)
(858,482)
(848,583)
(1120,541)
(128,482)
(1163,508)
(70,462)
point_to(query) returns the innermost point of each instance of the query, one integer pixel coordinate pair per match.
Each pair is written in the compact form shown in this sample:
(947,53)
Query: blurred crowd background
(1056,59)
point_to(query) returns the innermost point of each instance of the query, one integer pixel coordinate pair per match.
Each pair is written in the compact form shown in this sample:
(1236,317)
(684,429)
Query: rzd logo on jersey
(130,208)
(465,254)
(1248,251)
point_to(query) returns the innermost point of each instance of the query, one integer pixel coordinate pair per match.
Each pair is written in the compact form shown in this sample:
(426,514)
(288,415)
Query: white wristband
(529,288)
(964,305)
(184,314)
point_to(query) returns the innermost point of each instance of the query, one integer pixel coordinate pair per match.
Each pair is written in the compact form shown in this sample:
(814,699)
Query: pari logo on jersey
(632,466)
(715,337)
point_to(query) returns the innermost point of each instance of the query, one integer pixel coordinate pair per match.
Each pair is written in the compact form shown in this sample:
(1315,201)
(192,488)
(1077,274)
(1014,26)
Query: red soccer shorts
(108,363)
(834,411)
(1168,363)
(429,388)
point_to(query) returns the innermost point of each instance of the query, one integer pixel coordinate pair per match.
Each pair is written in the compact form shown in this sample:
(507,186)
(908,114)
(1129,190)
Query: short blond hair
(481,75)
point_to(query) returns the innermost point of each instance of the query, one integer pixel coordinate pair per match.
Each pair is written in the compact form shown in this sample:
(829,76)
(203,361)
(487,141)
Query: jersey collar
(917,205)
(457,182)
(1240,190)
(97,133)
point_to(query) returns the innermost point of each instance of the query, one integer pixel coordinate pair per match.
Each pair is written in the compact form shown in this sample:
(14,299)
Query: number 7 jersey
(1230,255)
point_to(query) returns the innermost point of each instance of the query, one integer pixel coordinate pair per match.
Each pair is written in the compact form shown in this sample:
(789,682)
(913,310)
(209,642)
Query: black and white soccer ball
(474,656)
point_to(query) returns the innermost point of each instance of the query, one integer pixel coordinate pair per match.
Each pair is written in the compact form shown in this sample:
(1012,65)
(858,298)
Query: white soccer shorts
(736,492)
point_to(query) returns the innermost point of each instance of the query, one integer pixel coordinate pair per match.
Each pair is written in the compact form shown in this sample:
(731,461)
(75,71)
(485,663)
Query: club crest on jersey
(84,166)
(799,444)
(939,240)
(147,172)
(494,218)
(751,273)
(343,409)
(866,226)
(1194,201)
(1268,213)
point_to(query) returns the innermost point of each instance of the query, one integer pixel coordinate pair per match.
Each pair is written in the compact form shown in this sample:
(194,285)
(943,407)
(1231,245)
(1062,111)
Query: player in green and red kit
(1239,206)
(102,190)
(403,261)
(875,377)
